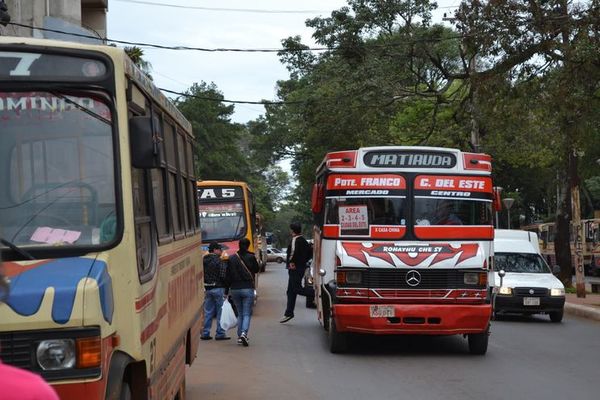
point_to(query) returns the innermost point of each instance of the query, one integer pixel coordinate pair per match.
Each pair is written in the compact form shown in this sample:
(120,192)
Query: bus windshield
(436,211)
(222,221)
(58,173)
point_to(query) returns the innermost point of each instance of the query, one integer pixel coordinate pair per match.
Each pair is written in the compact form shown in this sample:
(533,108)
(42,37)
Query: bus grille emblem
(413,278)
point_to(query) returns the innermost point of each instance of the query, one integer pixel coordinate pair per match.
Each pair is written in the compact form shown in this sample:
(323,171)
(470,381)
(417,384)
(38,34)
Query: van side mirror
(144,139)
(556,269)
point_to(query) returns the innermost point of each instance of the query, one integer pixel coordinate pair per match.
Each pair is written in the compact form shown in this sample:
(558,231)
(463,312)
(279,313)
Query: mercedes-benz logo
(531,291)
(413,278)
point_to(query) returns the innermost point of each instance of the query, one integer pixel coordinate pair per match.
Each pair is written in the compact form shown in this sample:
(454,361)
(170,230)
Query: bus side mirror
(144,139)
(497,195)
(317,198)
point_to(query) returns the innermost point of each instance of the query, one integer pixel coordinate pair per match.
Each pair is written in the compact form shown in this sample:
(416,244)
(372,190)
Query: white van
(528,285)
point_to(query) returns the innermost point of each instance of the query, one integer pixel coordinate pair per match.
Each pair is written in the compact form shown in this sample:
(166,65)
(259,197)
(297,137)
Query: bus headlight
(475,278)
(348,277)
(557,292)
(56,354)
(505,291)
(353,277)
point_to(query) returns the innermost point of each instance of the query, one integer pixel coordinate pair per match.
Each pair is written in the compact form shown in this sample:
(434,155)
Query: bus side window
(145,242)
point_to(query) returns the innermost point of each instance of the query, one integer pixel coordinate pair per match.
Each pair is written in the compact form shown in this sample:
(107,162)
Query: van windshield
(521,262)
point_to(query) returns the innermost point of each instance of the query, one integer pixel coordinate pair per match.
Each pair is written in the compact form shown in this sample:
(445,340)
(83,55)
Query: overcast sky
(239,76)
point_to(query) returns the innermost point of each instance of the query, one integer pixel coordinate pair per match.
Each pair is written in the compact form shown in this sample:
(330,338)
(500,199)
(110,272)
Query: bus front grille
(16,350)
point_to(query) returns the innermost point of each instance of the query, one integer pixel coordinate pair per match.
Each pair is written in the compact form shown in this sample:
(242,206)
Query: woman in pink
(18,384)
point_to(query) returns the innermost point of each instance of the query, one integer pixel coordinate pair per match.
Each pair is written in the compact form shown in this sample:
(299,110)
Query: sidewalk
(588,307)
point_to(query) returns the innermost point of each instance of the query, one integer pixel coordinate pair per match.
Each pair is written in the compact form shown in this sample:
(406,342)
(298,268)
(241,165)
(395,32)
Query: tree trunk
(562,242)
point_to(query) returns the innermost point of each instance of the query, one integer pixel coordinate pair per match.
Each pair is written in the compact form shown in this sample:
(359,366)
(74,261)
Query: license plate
(531,301)
(382,312)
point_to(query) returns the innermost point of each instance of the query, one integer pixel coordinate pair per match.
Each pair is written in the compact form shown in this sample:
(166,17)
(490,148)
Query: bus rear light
(89,352)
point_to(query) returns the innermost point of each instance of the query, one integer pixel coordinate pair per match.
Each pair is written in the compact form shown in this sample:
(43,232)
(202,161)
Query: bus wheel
(338,342)
(181,392)
(478,343)
(125,391)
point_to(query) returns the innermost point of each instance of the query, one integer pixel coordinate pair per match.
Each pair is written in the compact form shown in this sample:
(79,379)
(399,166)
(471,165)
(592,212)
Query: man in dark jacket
(298,254)
(214,284)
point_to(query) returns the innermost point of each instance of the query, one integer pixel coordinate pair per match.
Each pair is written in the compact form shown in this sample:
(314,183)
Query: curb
(582,311)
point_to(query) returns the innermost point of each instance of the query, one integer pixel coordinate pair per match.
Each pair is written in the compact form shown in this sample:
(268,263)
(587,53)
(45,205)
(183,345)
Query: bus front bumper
(81,390)
(417,319)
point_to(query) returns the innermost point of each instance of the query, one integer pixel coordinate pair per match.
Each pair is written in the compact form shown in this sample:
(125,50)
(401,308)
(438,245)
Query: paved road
(528,358)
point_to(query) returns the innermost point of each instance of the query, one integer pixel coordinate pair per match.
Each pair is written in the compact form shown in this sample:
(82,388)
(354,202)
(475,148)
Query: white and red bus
(403,243)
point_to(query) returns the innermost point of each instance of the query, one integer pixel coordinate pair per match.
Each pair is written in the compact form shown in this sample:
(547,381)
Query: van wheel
(478,343)
(556,316)
(125,391)
(338,342)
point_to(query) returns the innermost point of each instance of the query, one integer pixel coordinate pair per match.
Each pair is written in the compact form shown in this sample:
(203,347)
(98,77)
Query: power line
(242,10)
(265,102)
(239,50)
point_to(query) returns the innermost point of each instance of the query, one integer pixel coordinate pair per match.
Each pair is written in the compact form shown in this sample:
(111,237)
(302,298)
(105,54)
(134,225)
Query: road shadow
(530,319)
(405,345)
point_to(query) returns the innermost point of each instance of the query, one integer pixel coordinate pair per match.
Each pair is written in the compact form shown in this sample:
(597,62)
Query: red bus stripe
(153,326)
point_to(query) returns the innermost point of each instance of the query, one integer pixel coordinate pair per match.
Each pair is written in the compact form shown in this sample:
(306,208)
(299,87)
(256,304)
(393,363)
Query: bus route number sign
(353,217)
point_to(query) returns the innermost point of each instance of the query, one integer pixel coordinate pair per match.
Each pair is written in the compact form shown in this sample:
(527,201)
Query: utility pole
(579,240)
(471,71)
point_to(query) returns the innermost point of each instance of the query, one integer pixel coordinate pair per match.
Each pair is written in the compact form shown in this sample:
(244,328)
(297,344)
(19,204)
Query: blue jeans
(243,300)
(213,302)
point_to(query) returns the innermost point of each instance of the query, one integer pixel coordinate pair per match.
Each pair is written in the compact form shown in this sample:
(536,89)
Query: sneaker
(285,319)
(205,337)
(222,338)
(239,341)
(245,340)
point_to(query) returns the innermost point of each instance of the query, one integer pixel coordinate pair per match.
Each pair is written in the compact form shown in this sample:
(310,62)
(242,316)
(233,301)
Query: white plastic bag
(228,318)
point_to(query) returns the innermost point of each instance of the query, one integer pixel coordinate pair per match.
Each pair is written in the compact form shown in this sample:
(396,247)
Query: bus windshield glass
(58,170)
(435,211)
(223,221)
(452,200)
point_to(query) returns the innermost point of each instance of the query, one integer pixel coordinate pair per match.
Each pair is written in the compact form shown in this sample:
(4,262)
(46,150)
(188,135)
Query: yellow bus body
(133,320)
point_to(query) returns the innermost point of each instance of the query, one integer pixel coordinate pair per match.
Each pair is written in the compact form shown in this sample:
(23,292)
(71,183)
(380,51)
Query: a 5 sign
(214,193)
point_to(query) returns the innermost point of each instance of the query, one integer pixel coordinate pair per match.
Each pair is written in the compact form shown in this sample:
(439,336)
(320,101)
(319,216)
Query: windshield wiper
(80,107)
(237,227)
(16,249)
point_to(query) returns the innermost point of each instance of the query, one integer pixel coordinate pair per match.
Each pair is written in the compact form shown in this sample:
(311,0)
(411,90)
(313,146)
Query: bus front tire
(125,391)
(478,343)
(338,342)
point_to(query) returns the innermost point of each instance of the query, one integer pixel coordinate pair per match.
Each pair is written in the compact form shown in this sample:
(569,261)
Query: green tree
(218,148)
(556,43)
(137,56)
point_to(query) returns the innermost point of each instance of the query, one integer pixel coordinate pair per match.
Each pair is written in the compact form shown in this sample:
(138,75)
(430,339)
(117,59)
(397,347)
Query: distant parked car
(276,255)
(528,286)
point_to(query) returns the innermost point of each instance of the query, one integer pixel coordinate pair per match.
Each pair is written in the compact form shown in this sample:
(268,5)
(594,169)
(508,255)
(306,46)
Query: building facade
(86,17)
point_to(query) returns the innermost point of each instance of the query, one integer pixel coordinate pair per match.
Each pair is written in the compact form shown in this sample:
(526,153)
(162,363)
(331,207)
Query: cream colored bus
(99,230)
